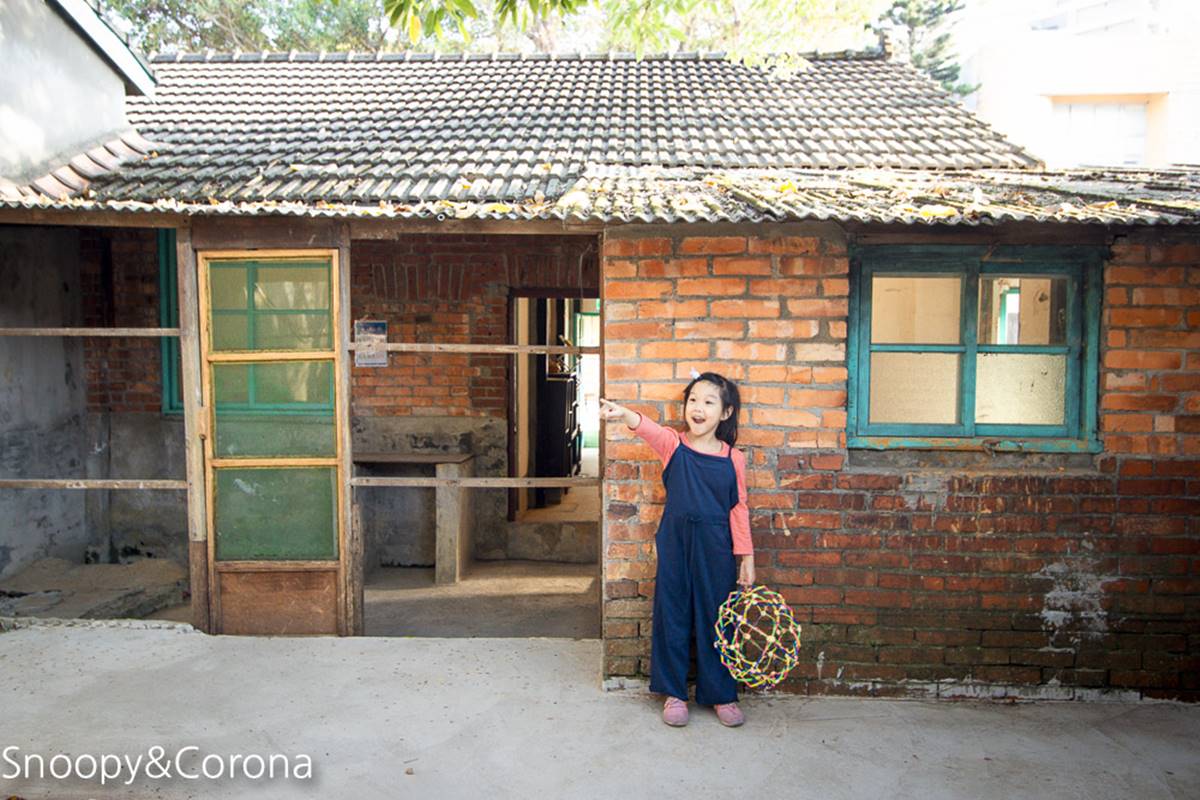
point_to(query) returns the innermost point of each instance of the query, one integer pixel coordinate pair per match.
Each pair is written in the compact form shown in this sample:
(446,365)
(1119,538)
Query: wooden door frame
(343,613)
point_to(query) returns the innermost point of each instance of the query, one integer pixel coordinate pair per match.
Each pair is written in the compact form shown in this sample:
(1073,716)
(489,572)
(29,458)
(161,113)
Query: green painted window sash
(1081,265)
(252,311)
(168,317)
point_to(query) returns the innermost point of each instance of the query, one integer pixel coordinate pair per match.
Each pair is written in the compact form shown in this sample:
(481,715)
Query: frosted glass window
(1022,310)
(914,388)
(292,287)
(265,305)
(1020,389)
(276,514)
(228,288)
(274,409)
(296,331)
(916,310)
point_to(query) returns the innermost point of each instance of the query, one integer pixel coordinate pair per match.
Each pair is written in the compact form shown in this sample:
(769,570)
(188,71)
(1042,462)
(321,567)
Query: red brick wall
(916,574)
(453,289)
(1151,370)
(119,276)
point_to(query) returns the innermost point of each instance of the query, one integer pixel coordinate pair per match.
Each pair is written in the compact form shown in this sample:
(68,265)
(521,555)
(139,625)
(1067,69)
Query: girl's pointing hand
(611,411)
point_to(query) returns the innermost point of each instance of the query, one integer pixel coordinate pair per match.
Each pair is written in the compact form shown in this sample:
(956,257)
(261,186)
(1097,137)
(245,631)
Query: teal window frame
(1081,265)
(168,317)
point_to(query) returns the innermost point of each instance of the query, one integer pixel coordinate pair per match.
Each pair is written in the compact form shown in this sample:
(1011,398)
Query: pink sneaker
(730,715)
(675,712)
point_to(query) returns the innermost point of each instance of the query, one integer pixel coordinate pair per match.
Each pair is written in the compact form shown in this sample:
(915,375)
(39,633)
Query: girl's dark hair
(726,428)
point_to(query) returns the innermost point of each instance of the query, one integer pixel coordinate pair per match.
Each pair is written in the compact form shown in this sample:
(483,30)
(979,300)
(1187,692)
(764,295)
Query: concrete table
(453,540)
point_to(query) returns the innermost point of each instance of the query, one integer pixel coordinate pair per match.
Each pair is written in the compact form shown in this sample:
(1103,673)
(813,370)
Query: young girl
(705,526)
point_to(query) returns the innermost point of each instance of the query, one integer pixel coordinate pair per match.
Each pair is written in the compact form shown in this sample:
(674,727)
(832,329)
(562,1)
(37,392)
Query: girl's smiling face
(703,410)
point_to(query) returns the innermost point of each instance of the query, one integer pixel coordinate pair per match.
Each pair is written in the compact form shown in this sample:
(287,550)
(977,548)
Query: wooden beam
(510,349)
(275,566)
(477,483)
(89,331)
(350,548)
(266,462)
(91,483)
(84,218)
(267,233)
(195,428)
(242,356)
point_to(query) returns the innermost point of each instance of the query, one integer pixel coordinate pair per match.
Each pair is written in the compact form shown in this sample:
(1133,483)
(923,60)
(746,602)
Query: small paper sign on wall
(370,338)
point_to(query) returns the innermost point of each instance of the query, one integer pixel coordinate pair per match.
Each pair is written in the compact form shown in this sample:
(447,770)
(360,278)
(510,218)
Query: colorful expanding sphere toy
(757,636)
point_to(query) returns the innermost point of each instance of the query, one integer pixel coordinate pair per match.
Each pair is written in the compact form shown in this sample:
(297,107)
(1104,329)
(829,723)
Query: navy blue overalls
(696,572)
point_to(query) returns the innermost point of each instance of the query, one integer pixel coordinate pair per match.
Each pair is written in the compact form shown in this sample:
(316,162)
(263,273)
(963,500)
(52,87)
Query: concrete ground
(501,718)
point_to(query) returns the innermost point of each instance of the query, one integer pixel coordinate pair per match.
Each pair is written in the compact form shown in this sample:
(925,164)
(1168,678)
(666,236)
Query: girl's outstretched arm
(662,440)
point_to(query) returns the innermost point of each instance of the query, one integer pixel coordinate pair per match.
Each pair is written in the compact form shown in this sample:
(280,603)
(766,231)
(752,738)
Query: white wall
(57,96)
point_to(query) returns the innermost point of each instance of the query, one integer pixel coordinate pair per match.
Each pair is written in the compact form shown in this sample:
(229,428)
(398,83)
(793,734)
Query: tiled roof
(1106,197)
(74,179)
(645,195)
(367,129)
(600,139)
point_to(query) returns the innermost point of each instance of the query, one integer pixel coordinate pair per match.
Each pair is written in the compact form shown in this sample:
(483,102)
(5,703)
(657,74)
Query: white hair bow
(695,374)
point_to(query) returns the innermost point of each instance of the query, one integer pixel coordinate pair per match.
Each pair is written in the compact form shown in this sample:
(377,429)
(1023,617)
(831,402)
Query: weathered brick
(712,245)
(748,309)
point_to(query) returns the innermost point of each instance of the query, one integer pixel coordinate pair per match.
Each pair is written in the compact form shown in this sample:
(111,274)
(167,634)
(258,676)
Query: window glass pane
(230,331)
(1020,389)
(275,514)
(914,388)
(309,382)
(916,310)
(231,384)
(1022,310)
(279,409)
(228,287)
(296,331)
(292,286)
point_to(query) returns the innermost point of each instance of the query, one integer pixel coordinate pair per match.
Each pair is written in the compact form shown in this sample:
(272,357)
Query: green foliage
(432,18)
(921,24)
(750,30)
(755,31)
(249,25)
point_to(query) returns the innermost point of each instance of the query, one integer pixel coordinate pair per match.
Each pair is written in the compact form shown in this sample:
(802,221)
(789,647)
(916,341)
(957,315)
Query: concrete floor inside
(500,599)
(494,599)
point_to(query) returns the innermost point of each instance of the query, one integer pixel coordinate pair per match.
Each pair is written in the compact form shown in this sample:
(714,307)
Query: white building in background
(1087,82)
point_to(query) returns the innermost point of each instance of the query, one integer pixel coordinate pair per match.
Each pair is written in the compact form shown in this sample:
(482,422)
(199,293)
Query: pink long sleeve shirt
(664,441)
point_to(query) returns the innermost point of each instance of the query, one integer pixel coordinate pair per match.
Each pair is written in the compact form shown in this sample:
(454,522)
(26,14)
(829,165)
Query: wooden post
(454,517)
(194,427)
(351,554)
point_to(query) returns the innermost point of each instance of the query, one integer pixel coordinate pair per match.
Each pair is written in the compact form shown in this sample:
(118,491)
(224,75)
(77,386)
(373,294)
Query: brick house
(971,387)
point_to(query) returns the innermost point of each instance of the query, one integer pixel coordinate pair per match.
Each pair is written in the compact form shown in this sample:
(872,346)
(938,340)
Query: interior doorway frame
(511,402)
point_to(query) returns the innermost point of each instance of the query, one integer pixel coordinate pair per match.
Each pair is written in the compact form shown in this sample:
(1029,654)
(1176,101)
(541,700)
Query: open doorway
(486,368)
(554,417)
